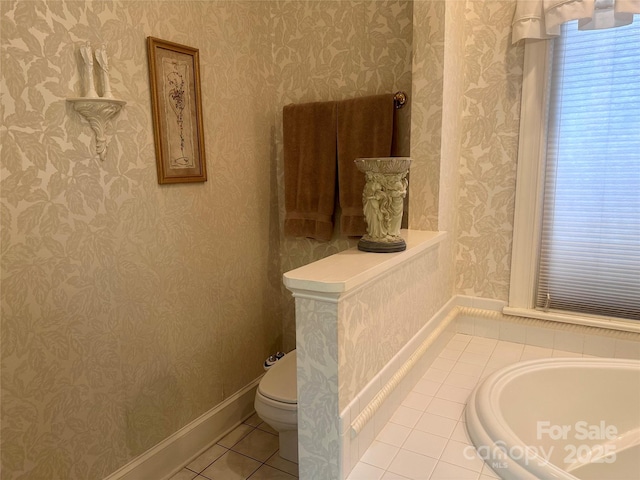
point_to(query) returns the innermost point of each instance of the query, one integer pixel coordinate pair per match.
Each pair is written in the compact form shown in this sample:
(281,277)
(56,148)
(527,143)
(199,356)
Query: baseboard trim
(177,450)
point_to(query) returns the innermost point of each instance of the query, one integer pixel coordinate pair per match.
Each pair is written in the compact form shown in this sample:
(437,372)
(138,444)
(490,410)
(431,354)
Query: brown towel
(309,169)
(365,129)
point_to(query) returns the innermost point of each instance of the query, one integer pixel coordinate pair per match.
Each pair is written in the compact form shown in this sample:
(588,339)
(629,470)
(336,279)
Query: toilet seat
(276,403)
(279,383)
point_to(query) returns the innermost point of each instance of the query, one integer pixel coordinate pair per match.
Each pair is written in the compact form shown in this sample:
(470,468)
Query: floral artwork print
(176,94)
(178,114)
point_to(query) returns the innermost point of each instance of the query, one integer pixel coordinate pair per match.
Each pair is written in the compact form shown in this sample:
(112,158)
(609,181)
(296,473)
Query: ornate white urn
(383,202)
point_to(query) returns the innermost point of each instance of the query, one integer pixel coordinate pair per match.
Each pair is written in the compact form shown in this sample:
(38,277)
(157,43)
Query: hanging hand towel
(309,169)
(365,129)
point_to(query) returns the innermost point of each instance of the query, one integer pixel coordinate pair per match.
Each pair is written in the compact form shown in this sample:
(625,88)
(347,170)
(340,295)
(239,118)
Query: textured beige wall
(331,50)
(129,308)
(452,127)
(467,81)
(426,114)
(489,149)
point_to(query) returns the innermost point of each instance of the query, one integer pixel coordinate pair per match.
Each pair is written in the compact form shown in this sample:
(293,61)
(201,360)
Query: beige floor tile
(207,458)
(236,435)
(258,444)
(267,428)
(254,420)
(266,472)
(231,466)
(184,474)
(280,463)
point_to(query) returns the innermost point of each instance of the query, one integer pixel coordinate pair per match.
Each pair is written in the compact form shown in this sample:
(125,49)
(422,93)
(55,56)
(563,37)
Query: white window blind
(590,245)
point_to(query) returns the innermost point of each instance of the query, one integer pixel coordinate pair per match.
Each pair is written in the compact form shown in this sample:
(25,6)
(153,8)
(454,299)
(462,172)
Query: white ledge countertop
(349,269)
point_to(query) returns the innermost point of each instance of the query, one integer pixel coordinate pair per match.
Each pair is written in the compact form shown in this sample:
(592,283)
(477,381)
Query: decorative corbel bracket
(98,112)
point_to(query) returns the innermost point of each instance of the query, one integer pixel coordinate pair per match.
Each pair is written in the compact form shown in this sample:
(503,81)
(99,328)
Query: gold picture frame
(176,101)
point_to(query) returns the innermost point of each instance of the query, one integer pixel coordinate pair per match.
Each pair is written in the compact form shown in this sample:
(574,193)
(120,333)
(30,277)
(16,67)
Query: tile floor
(248,452)
(425,439)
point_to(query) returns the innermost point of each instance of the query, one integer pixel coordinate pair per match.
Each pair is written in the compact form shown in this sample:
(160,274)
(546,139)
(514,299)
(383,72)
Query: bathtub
(559,418)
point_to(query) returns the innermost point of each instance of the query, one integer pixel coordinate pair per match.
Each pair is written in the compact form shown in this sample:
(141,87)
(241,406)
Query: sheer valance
(543,18)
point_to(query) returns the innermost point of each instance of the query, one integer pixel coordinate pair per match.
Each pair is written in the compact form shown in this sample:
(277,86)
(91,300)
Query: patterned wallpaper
(426,114)
(489,149)
(452,97)
(331,50)
(344,344)
(127,307)
(384,317)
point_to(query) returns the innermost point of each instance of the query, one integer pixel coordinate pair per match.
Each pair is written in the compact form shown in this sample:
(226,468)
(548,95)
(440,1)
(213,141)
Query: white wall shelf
(98,112)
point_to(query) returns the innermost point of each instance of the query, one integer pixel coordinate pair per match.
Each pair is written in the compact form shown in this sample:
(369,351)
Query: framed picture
(174,74)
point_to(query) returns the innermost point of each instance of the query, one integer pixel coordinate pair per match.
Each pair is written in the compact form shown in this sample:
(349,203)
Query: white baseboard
(177,450)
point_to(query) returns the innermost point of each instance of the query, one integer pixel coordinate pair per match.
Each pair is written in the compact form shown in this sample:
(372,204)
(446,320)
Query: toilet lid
(279,383)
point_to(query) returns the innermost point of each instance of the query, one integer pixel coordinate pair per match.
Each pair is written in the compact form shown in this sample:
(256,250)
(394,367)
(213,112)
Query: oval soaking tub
(559,418)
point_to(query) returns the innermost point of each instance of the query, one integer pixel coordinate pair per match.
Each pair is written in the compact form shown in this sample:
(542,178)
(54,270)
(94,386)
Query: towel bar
(399,99)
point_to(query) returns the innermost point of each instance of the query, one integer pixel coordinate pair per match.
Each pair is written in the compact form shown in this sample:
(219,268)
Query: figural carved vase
(383,202)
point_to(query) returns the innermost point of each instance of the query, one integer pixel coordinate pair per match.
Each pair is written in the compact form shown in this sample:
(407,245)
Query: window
(577,245)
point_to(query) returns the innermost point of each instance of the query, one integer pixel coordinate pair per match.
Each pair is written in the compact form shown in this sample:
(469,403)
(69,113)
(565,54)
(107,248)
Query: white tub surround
(485,317)
(559,418)
(355,311)
(606,323)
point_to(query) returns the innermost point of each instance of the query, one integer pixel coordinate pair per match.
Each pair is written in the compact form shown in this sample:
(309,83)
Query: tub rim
(493,428)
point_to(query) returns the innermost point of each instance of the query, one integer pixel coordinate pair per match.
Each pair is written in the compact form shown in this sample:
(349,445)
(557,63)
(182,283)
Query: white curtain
(543,18)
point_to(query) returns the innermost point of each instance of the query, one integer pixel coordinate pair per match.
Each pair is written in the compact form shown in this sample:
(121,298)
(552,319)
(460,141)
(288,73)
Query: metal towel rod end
(399,99)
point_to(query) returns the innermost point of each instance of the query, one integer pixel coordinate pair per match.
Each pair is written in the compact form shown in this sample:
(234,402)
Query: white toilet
(277,404)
